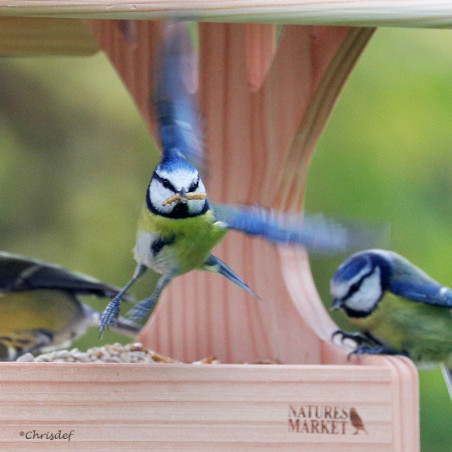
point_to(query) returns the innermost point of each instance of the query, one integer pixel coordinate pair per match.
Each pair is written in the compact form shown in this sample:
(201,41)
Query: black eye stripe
(355,286)
(165,182)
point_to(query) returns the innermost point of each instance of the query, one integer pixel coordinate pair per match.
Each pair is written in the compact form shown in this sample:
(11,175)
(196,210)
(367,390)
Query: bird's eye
(167,184)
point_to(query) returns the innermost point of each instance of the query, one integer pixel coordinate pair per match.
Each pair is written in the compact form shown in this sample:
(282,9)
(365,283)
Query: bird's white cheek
(201,188)
(368,294)
(158,195)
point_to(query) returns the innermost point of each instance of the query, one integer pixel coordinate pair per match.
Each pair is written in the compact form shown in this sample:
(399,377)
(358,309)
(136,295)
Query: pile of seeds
(114,353)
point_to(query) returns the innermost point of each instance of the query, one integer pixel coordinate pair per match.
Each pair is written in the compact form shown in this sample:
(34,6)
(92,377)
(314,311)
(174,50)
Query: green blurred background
(76,159)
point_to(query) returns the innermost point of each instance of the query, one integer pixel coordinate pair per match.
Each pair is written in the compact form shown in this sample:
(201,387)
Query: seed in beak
(186,197)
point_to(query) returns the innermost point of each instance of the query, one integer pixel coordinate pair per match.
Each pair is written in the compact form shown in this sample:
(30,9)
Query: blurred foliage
(77,157)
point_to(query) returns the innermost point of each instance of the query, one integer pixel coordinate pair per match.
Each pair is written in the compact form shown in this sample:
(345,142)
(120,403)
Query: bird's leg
(376,350)
(372,339)
(358,337)
(112,310)
(146,306)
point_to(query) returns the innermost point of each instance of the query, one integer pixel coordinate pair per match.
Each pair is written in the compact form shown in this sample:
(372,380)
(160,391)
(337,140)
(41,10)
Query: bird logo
(357,422)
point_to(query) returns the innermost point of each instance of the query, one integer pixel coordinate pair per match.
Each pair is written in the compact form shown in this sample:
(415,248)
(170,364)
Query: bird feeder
(265,94)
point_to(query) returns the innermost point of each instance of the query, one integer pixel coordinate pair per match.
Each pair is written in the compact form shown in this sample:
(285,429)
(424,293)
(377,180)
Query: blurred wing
(427,292)
(313,232)
(176,107)
(18,273)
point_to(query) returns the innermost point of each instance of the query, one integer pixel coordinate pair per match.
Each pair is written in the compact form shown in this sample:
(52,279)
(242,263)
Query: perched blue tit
(179,226)
(397,308)
(39,308)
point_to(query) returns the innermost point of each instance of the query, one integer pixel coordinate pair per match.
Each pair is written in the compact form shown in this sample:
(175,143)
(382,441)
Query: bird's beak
(337,304)
(183,196)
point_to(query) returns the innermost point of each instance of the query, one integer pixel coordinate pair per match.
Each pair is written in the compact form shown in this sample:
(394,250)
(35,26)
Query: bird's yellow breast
(424,331)
(191,238)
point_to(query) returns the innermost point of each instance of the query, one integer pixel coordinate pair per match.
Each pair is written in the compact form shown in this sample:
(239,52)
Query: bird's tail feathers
(447,374)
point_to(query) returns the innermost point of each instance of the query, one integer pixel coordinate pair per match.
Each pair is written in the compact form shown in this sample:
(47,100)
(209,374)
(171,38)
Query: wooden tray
(133,407)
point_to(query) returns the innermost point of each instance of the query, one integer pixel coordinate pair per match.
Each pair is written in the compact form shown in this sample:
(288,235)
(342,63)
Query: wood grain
(365,13)
(195,407)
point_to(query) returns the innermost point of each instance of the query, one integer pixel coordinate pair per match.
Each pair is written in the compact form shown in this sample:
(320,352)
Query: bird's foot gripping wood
(376,350)
(356,336)
(359,338)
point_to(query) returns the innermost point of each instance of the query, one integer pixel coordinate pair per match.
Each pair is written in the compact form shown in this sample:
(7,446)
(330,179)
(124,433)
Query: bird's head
(360,282)
(176,190)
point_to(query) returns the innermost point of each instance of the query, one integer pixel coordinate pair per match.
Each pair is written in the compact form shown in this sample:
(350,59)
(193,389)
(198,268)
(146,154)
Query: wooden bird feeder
(265,102)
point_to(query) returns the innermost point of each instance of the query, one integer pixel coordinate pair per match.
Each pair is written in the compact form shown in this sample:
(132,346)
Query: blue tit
(179,226)
(397,307)
(39,308)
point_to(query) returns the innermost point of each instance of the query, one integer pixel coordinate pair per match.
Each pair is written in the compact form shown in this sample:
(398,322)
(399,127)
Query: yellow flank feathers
(424,331)
(194,237)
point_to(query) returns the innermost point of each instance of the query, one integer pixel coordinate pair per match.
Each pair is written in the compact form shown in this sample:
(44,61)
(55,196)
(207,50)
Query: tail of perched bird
(447,374)
(40,309)
(175,102)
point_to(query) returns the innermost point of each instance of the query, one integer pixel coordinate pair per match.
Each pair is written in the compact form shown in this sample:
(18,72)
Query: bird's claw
(109,315)
(380,350)
(141,310)
(359,338)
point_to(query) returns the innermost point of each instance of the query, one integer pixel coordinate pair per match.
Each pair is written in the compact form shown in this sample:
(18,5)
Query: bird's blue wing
(176,105)
(312,231)
(427,292)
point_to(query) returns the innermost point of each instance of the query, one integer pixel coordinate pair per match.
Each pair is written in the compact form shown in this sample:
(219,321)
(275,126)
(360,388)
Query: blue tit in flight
(40,310)
(179,226)
(397,307)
